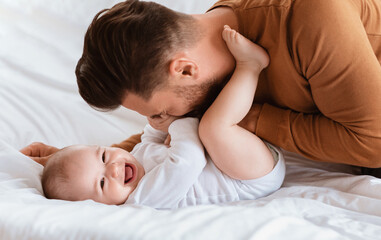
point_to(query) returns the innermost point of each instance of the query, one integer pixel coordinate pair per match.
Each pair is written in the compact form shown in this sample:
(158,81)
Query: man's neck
(219,17)
(212,48)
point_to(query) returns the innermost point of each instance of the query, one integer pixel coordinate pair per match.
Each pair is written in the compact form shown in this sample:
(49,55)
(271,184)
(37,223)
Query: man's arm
(333,52)
(129,143)
(39,152)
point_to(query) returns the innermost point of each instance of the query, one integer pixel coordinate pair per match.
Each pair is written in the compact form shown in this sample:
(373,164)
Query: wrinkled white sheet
(40,43)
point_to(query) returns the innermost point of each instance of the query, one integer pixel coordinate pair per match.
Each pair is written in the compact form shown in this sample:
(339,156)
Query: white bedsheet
(40,43)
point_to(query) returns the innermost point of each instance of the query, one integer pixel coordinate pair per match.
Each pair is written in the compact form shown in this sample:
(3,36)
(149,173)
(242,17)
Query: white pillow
(19,175)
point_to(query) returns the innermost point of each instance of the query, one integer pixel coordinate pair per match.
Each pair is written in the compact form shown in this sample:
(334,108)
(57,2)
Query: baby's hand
(162,122)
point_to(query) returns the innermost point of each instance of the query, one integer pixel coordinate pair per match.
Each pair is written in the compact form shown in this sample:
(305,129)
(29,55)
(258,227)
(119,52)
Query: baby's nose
(113,170)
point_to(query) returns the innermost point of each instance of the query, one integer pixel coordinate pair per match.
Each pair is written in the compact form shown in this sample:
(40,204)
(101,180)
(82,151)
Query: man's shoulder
(250,4)
(299,5)
(322,13)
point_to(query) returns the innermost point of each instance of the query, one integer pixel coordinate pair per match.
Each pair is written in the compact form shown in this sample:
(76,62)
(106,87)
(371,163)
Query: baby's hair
(53,175)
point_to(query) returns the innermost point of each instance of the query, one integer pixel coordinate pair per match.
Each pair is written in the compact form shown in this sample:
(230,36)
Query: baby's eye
(102,182)
(103,156)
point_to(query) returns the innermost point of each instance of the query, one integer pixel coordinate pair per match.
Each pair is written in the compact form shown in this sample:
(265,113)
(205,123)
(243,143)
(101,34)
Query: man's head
(103,174)
(128,48)
(137,49)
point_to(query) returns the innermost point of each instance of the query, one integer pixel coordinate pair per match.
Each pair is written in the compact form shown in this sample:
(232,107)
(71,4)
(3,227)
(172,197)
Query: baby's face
(104,174)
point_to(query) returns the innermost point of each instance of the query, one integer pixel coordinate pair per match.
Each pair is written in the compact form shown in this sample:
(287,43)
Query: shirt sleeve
(176,169)
(151,135)
(332,50)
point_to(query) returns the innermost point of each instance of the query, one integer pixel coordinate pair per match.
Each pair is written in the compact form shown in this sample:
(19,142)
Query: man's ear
(183,68)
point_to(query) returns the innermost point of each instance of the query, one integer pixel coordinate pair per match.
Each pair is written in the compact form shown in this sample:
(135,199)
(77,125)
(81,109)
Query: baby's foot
(245,52)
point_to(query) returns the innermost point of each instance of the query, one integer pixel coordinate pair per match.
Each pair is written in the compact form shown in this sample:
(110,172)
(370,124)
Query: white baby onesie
(182,175)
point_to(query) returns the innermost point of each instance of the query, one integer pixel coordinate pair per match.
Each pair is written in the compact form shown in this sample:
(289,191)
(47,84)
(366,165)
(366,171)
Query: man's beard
(200,97)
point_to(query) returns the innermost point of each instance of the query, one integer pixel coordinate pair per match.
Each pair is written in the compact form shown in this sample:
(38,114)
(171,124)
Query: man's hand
(39,152)
(249,122)
(162,122)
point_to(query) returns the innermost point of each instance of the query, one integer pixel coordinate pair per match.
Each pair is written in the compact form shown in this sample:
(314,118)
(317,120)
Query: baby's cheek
(117,194)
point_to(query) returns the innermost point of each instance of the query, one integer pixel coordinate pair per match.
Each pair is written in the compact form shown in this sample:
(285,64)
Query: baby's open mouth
(128,173)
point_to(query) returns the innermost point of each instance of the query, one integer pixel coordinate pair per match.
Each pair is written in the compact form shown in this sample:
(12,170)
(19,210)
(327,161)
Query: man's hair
(128,48)
(53,177)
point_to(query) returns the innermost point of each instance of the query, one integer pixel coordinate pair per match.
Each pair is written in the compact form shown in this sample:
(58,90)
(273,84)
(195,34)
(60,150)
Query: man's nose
(112,170)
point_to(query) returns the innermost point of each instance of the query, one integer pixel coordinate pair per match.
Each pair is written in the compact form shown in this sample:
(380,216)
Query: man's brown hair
(127,49)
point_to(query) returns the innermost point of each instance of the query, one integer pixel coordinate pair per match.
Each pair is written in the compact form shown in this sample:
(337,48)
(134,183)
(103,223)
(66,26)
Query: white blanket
(40,43)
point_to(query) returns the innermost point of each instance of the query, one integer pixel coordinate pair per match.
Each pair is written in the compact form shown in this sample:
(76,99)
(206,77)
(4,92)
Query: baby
(237,166)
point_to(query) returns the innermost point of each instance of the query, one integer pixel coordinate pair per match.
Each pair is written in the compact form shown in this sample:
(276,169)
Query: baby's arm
(234,150)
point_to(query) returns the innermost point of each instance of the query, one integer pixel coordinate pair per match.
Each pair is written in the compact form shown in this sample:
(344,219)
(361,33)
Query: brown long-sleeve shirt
(321,93)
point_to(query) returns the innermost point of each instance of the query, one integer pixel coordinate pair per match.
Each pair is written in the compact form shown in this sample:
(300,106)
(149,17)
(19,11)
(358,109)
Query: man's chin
(195,114)
(211,91)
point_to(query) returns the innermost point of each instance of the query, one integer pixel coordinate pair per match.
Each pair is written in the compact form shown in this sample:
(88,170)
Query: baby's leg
(236,151)
(245,52)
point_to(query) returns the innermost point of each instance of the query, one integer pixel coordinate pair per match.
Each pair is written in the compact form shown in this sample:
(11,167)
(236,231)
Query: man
(320,96)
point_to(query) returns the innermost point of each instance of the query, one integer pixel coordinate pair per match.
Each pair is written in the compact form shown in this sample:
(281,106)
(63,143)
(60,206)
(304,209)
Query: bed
(40,43)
